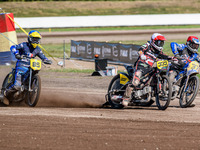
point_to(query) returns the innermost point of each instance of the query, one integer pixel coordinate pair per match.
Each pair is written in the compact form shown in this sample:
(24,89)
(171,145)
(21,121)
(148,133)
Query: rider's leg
(137,74)
(20,70)
(136,78)
(142,70)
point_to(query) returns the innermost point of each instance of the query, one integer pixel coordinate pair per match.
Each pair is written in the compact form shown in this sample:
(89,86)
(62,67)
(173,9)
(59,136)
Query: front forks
(158,90)
(185,85)
(30,78)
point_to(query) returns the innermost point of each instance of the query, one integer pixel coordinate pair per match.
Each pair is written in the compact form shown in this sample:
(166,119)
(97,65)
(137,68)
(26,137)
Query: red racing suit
(146,59)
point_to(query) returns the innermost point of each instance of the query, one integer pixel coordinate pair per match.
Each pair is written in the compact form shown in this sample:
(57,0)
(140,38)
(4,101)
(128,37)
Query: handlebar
(47,61)
(23,57)
(19,57)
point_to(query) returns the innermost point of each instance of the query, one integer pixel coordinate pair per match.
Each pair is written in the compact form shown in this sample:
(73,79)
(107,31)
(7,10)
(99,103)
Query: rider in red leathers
(148,53)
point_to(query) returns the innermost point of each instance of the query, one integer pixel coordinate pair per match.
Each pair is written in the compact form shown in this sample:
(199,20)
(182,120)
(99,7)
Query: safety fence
(6,58)
(115,52)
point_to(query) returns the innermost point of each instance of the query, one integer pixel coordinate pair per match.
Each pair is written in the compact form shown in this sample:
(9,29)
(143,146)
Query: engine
(146,90)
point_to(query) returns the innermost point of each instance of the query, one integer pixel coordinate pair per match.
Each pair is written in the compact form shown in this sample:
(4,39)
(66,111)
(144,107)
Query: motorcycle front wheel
(163,93)
(188,96)
(34,95)
(8,81)
(112,90)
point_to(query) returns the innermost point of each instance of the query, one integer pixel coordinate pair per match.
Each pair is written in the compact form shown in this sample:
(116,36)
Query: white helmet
(157,41)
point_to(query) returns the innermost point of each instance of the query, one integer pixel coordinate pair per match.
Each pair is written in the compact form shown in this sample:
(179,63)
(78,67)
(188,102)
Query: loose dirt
(69,116)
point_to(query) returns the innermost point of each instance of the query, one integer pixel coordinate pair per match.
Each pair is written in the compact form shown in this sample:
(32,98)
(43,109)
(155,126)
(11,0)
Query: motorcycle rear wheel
(115,85)
(163,93)
(192,90)
(34,95)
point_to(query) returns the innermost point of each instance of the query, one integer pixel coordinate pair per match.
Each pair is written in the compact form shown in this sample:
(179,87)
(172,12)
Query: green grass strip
(113,28)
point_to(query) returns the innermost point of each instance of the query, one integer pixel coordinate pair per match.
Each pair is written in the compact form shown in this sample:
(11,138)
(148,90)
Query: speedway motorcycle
(185,85)
(157,87)
(30,87)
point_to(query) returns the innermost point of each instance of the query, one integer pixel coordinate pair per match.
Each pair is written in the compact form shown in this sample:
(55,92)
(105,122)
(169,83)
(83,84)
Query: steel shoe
(126,101)
(4,100)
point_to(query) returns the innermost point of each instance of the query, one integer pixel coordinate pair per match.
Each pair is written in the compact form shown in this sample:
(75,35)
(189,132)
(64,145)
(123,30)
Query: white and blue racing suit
(183,54)
(22,65)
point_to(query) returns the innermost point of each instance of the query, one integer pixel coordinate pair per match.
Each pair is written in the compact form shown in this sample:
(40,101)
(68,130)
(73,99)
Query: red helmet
(157,41)
(193,44)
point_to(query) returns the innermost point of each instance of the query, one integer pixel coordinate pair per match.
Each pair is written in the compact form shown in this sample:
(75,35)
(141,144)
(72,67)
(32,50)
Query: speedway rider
(148,53)
(29,50)
(185,53)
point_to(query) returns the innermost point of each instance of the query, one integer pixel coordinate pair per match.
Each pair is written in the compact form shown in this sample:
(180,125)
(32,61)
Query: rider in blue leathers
(28,49)
(185,53)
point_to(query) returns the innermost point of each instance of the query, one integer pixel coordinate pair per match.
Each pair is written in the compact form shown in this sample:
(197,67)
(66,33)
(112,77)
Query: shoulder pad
(21,45)
(144,46)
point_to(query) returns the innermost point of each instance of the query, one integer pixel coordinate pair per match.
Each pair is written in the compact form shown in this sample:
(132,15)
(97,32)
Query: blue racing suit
(22,65)
(183,54)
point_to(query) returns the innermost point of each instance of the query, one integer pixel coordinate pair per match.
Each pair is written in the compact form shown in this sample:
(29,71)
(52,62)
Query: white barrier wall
(103,21)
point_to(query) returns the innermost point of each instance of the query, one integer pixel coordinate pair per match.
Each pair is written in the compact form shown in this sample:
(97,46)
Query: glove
(47,61)
(143,57)
(188,60)
(18,56)
(183,62)
(30,55)
(169,58)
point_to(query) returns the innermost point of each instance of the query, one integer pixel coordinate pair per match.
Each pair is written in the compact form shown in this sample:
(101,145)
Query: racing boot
(6,92)
(9,91)
(16,94)
(4,100)
(127,95)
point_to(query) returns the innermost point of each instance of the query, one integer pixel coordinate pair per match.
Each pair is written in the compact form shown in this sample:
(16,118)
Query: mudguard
(124,78)
(193,68)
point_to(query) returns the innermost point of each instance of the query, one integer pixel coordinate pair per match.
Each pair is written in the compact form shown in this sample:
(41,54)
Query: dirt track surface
(69,116)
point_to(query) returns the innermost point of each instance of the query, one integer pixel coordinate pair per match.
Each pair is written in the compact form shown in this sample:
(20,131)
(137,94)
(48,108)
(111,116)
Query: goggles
(35,40)
(160,43)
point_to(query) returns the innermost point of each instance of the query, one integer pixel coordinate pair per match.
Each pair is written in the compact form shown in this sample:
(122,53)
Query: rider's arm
(16,48)
(164,56)
(43,57)
(194,57)
(176,48)
(141,55)
(142,50)
(198,58)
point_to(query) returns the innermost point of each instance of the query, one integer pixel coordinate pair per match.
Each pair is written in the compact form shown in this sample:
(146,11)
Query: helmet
(34,38)
(193,44)
(157,41)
